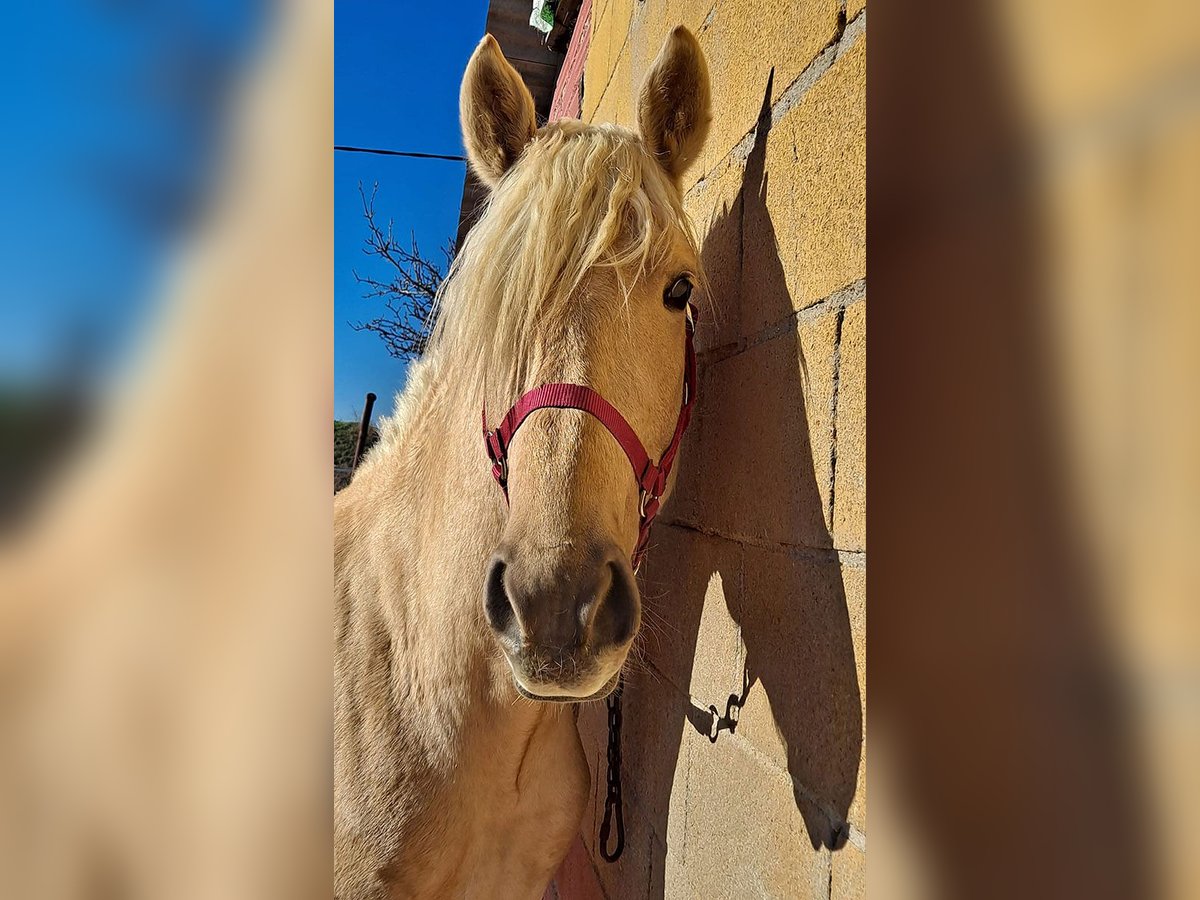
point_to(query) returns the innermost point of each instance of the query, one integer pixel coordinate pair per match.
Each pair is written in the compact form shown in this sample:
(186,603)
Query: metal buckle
(645,498)
(497,453)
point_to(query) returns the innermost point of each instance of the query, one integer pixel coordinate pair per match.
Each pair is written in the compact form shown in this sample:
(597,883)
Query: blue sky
(113,119)
(397,70)
(112,115)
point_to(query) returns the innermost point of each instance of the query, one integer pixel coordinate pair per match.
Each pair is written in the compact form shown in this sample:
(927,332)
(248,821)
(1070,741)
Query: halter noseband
(651,478)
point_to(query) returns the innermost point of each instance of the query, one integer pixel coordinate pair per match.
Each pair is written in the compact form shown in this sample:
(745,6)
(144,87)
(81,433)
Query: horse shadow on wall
(747,475)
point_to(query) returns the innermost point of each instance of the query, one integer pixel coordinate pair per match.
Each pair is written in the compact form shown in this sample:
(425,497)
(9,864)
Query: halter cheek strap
(651,478)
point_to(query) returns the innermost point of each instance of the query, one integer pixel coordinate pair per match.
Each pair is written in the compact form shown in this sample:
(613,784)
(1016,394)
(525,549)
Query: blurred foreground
(1034,216)
(1033,220)
(164,642)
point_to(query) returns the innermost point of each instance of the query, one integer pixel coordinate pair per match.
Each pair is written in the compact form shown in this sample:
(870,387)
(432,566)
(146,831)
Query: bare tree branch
(407,292)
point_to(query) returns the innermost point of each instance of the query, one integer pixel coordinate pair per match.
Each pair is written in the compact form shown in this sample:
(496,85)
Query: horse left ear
(675,108)
(497,112)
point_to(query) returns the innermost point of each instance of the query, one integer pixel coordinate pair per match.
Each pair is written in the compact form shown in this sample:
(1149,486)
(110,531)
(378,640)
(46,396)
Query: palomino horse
(461,618)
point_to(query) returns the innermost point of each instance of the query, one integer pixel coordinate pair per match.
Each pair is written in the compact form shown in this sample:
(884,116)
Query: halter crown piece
(651,478)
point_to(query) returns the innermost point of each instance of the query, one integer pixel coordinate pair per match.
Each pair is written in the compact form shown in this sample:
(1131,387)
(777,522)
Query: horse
(470,620)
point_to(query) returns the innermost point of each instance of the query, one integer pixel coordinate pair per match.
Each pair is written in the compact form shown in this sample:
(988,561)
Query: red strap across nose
(651,478)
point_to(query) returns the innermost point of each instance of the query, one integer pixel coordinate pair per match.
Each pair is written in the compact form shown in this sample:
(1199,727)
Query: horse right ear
(675,107)
(497,113)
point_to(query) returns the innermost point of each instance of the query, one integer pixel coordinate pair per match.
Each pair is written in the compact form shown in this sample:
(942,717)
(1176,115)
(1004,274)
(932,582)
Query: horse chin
(607,688)
(551,676)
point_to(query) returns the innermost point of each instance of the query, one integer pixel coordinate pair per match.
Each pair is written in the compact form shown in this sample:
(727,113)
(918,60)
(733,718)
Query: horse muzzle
(565,620)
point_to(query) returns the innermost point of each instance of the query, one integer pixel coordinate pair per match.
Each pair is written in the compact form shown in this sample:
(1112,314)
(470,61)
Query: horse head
(580,274)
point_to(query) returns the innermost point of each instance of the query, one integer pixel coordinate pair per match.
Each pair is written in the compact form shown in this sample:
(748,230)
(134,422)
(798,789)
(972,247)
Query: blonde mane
(582,197)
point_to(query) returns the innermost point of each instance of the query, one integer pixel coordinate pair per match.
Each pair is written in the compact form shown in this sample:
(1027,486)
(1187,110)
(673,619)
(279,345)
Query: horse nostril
(617,618)
(496,605)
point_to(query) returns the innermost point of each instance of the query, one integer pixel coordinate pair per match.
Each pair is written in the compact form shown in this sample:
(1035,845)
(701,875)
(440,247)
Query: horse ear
(497,113)
(675,108)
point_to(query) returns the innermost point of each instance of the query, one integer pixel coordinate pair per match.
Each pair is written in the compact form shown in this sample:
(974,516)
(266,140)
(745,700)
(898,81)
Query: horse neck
(439,477)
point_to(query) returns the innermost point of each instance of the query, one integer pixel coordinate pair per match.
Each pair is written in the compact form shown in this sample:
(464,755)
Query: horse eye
(677,295)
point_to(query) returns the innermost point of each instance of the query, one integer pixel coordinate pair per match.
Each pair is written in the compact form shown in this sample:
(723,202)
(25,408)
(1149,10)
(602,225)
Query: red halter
(651,478)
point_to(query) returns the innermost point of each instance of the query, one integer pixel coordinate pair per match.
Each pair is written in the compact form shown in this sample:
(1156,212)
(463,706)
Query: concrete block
(746,837)
(607,75)
(639,870)
(808,208)
(695,14)
(682,503)
(854,581)
(848,879)
(620,102)
(687,635)
(744,42)
(804,711)
(850,480)
(817,343)
(618,20)
(764,426)
(609,23)
(675,880)
(596,67)
(649,27)
(599,10)
(616,102)
(714,205)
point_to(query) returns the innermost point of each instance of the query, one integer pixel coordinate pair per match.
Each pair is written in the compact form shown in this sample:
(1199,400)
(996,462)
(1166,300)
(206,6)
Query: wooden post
(364,428)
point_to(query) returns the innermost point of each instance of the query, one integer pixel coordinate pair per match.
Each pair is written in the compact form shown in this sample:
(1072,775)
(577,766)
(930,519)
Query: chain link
(612,799)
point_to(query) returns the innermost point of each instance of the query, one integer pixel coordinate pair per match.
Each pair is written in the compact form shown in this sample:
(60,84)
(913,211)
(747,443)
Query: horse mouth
(608,687)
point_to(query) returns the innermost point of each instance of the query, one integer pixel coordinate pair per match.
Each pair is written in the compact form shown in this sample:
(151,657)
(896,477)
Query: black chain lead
(612,800)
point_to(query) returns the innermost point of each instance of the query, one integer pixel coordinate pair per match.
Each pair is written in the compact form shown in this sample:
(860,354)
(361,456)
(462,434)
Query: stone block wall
(755,586)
